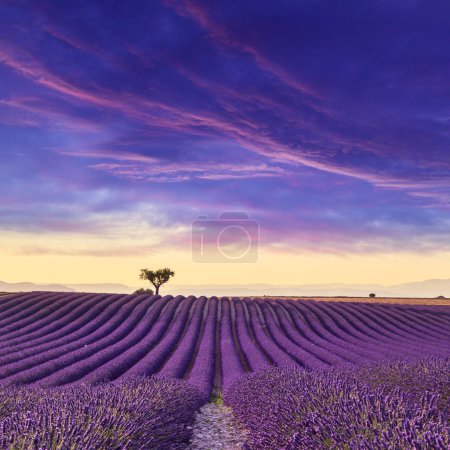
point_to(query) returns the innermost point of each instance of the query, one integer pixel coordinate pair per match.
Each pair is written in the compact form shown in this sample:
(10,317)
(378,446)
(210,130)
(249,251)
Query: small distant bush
(440,297)
(372,295)
(144,291)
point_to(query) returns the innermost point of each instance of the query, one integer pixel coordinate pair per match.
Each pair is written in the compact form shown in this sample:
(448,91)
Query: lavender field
(57,346)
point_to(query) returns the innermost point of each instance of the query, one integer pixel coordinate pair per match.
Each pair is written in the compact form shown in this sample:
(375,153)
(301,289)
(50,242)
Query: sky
(326,122)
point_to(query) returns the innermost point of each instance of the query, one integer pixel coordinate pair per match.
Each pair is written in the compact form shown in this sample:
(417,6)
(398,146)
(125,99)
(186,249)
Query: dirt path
(216,428)
(389,300)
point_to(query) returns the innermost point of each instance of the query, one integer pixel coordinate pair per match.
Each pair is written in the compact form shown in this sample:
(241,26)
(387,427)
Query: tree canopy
(157,277)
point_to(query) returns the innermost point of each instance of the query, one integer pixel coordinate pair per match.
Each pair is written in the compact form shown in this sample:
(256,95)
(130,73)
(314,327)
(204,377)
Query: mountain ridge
(425,288)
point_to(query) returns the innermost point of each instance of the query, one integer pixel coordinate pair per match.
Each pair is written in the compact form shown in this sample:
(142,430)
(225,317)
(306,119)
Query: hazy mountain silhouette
(26,286)
(426,288)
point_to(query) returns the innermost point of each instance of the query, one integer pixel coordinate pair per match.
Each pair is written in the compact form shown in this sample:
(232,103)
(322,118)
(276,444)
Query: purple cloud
(327,121)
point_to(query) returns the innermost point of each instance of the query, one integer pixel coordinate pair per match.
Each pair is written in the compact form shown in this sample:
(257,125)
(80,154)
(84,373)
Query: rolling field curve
(52,339)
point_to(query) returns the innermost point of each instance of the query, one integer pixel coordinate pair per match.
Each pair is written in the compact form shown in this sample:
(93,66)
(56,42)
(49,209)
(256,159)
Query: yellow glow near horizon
(271,268)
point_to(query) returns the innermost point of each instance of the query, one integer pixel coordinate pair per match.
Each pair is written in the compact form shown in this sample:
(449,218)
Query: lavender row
(275,352)
(131,415)
(75,351)
(255,355)
(435,318)
(98,328)
(135,349)
(7,301)
(117,358)
(410,337)
(317,331)
(81,338)
(203,370)
(34,334)
(232,368)
(294,349)
(386,328)
(357,331)
(75,332)
(178,361)
(153,360)
(49,315)
(422,325)
(289,408)
(351,336)
(302,338)
(25,314)
(117,352)
(20,302)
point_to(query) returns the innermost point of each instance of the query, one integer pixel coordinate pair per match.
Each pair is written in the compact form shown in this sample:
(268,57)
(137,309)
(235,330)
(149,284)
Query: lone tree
(157,277)
(372,295)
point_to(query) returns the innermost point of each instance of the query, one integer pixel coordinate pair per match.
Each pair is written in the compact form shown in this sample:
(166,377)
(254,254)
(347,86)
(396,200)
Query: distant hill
(427,288)
(26,286)
(103,287)
(96,287)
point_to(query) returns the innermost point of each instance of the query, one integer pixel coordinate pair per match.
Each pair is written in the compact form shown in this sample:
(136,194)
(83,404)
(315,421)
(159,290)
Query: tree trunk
(156,290)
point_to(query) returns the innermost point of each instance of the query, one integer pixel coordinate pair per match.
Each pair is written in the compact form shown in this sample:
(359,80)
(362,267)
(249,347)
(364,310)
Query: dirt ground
(398,301)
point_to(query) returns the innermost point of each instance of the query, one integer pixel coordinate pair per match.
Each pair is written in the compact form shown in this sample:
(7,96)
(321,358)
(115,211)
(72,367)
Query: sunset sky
(328,122)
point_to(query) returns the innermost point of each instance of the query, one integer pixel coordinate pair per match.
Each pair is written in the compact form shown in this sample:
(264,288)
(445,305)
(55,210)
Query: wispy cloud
(327,122)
